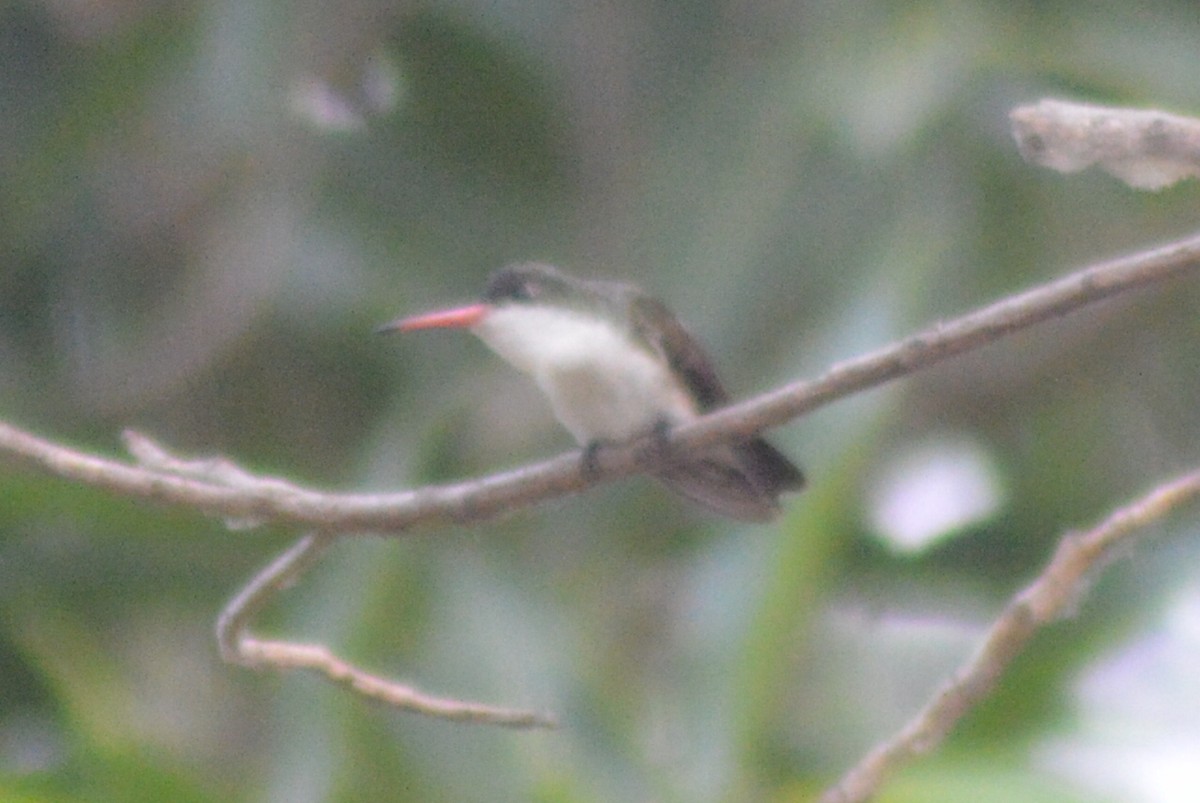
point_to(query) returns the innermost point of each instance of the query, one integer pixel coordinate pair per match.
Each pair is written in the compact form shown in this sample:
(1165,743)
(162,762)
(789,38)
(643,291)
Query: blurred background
(206,207)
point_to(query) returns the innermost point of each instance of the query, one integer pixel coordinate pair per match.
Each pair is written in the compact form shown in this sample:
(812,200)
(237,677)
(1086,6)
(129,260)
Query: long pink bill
(457,318)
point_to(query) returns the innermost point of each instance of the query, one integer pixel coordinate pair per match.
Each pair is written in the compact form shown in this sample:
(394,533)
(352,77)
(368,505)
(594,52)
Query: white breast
(600,383)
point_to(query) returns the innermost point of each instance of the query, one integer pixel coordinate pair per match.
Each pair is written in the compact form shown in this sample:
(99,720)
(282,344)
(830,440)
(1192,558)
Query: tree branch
(1051,595)
(217,487)
(1148,149)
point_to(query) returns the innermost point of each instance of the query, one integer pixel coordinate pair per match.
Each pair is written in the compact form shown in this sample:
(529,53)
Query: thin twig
(238,646)
(1051,595)
(289,655)
(218,488)
(279,574)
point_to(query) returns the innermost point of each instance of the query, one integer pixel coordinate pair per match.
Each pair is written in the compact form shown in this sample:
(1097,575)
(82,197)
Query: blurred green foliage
(205,208)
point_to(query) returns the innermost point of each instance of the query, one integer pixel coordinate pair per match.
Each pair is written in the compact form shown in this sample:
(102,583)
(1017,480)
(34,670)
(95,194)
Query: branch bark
(1148,149)
(1050,596)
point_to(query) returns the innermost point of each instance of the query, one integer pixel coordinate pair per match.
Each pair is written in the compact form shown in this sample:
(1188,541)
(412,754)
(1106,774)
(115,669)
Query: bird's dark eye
(510,285)
(529,281)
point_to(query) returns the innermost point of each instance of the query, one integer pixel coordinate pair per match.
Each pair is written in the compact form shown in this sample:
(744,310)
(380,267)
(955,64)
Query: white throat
(601,383)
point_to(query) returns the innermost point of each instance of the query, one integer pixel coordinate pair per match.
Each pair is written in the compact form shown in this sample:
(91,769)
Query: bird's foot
(660,450)
(657,452)
(589,460)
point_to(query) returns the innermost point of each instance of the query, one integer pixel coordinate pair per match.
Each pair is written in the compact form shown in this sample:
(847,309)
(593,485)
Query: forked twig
(281,573)
(238,646)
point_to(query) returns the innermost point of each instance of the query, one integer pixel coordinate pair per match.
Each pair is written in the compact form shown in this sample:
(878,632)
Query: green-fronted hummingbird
(616,364)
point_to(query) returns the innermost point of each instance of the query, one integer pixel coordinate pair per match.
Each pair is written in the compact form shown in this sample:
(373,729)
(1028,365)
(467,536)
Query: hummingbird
(616,365)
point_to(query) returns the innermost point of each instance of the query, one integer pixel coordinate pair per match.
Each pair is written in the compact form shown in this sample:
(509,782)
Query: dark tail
(742,481)
(769,468)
